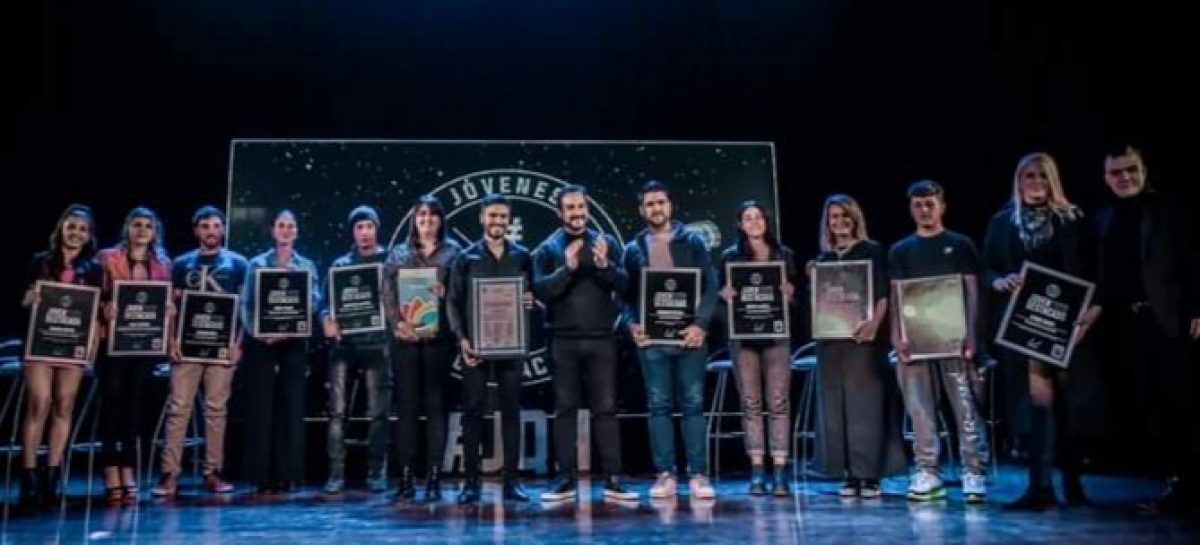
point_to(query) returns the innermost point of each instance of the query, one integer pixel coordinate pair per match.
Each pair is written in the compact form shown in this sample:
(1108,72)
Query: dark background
(134,102)
(120,103)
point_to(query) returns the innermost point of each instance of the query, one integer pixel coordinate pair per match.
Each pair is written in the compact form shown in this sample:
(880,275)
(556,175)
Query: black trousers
(508,378)
(1161,381)
(122,384)
(419,371)
(273,380)
(598,359)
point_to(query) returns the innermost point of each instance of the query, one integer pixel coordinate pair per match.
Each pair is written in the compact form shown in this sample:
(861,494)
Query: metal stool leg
(88,402)
(158,431)
(12,440)
(91,449)
(713,424)
(992,426)
(807,400)
(709,421)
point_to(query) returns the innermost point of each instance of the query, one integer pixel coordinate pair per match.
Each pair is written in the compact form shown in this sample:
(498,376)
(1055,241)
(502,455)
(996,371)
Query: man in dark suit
(1148,268)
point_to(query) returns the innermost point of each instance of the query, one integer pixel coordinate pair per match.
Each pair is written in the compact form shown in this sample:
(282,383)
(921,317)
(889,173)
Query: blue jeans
(671,371)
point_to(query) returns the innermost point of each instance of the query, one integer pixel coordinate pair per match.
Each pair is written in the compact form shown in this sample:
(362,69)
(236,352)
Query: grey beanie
(363,212)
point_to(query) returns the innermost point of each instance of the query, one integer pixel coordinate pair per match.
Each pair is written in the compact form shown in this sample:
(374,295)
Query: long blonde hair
(1057,200)
(852,209)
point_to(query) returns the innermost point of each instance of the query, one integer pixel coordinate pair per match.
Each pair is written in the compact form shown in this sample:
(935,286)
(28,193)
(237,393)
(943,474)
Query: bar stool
(720,364)
(11,367)
(804,363)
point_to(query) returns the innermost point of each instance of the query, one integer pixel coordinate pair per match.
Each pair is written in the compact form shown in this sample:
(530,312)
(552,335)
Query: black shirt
(582,303)
(1124,254)
(944,253)
(478,262)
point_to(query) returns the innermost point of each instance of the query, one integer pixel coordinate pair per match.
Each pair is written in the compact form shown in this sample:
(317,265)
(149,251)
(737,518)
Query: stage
(814,514)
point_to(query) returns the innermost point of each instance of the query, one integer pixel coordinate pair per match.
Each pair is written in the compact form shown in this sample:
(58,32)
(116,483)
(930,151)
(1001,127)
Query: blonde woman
(1041,226)
(858,436)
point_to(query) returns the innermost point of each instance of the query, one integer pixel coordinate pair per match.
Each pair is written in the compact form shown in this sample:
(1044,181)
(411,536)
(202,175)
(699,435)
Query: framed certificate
(760,310)
(416,299)
(282,303)
(356,298)
(668,304)
(62,323)
(932,315)
(207,326)
(498,317)
(843,296)
(1041,316)
(139,326)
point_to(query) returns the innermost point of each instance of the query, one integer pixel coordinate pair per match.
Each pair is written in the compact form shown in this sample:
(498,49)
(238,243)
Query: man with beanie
(368,351)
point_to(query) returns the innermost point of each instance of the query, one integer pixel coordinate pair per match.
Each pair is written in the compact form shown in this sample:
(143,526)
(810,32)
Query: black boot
(433,487)
(1071,463)
(52,486)
(1073,490)
(406,490)
(779,481)
(471,490)
(31,490)
(1039,494)
(758,485)
(513,490)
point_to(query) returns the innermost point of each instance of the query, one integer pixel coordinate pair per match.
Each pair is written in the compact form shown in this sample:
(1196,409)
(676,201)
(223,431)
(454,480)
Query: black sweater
(582,303)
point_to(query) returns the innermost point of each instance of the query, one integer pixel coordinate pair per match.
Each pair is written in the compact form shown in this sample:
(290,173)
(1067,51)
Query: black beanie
(361,213)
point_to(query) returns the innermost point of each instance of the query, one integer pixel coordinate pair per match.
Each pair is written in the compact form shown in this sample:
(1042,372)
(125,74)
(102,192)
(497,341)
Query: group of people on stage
(587,284)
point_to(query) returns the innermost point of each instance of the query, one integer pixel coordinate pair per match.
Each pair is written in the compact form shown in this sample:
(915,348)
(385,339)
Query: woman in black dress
(1041,226)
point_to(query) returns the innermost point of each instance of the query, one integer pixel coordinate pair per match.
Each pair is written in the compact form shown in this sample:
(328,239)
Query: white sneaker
(925,485)
(664,486)
(701,488)
(974,487)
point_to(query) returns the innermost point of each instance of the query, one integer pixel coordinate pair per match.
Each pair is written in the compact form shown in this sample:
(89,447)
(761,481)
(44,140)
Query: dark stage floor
(813,515)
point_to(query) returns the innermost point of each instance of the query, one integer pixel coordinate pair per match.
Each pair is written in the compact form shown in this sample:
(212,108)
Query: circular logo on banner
(283,283)
(141,297)
(669,284)
(209,307)
(65,301)
(708,231)
(355,280)
(756,278)
(1053,291)
(534,217)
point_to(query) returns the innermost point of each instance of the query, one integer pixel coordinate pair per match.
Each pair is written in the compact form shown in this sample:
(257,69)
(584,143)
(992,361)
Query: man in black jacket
(492,256)
(1148,269)
(578,276)
(672,372)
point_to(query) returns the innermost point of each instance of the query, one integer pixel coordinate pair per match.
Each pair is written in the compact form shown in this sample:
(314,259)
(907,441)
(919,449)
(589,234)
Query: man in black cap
(366,350)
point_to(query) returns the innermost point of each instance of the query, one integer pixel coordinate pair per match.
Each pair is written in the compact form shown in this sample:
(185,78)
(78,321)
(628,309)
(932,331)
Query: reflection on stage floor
(814,514)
